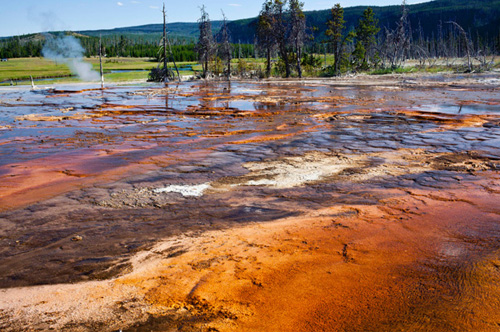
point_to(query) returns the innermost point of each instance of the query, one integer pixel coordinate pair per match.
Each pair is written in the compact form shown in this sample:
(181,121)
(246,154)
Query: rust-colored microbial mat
(368,204)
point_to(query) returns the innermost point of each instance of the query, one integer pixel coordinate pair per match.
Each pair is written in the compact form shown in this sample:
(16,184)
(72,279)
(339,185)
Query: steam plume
(68,50)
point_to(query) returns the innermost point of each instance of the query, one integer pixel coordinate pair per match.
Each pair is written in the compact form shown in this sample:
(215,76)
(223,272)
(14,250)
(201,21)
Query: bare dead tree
(297,30)
(159,74)
(165,61)
(420,53)
(442,47)
(467,43)
(380,48)
(398,40)
(166,41)
(419,48)
(173,58)
(255,48)
(100,62)
(482,52)
(452,47)
(282,25)
(433,51)
(281,32)
(324,53)
(396,43)
(265,33)
(225,48)
(206,44)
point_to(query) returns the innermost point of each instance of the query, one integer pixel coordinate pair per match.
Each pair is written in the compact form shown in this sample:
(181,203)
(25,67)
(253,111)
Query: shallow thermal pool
(92,179)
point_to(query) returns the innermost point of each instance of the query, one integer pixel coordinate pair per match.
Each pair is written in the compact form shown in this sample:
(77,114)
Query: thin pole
(100,62)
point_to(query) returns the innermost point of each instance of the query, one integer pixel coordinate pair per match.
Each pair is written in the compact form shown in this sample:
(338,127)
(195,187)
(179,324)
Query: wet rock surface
(263,187)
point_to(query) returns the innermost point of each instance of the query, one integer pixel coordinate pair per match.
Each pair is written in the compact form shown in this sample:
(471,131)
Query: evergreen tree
(335,32)
(366,30)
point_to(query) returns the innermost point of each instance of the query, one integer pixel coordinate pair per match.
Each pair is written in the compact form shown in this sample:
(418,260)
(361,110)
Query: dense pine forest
(127,45)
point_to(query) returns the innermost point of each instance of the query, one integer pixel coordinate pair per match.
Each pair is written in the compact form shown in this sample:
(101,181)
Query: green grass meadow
(19,70)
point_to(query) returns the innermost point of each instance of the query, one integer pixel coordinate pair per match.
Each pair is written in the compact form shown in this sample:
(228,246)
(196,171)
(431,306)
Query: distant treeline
(113,46)
(123,46)
(15,48)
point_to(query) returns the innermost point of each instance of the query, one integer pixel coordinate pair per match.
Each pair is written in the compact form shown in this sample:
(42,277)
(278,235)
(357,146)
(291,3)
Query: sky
(19,17)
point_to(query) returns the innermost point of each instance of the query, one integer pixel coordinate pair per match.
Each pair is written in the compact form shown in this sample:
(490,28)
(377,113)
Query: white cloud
(234,5)
(154,7)
(119,4)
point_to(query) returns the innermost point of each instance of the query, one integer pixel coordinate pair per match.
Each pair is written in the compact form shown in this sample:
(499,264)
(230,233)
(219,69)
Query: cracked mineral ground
(362,204)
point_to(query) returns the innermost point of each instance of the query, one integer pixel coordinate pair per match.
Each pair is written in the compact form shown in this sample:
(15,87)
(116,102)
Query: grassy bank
(39,68)
(132,69)
(19,69)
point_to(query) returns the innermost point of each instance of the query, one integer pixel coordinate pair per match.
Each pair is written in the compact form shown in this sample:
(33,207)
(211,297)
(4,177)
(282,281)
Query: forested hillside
(428,22)
(477,17)
(180,30)
(125,45)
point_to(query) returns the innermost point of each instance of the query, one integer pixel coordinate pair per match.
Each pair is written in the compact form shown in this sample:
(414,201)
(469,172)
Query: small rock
(77,238)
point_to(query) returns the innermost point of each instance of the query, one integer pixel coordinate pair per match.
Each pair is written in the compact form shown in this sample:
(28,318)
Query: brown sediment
(39,180)
(278,98)
(339,268)
(286,206)
(450,120)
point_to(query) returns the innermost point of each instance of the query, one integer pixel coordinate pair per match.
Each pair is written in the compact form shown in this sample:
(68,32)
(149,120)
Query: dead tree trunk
(225,48)
(165,68)
(467,42)
(173,58)
(206,43)
(100,62)
(265,33)
(297,27)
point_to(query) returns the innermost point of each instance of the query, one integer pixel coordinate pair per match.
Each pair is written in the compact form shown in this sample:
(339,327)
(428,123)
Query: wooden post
(100,62)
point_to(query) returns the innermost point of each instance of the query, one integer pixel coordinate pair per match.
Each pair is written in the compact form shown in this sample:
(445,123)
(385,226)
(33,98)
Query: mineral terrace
(362,204)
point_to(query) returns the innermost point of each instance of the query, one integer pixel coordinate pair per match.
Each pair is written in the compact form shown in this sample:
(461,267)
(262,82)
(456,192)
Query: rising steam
(68,50)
